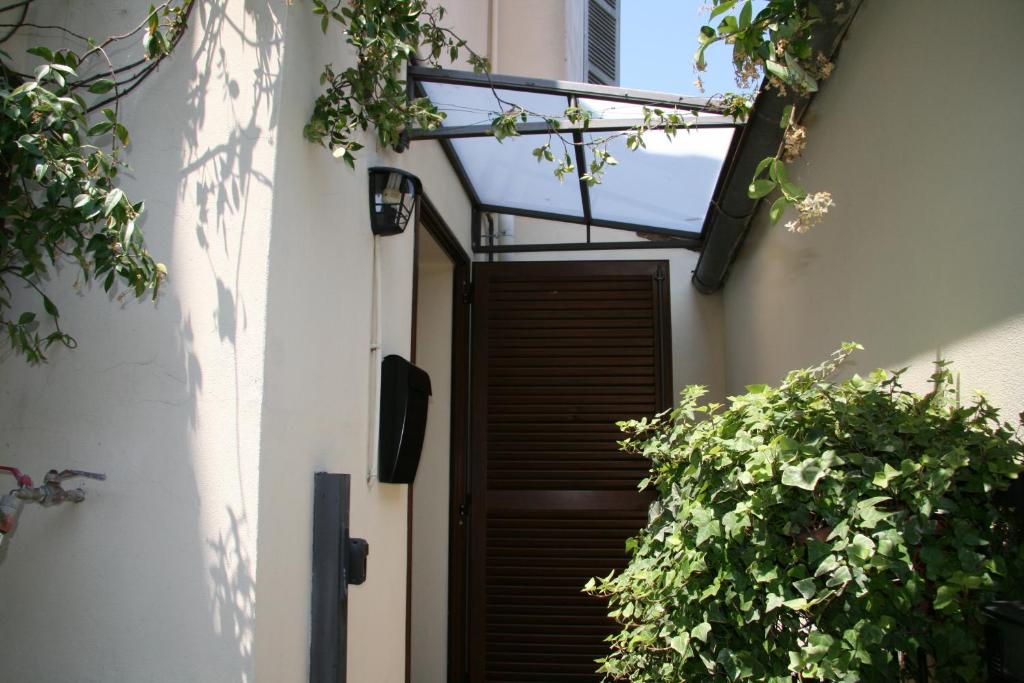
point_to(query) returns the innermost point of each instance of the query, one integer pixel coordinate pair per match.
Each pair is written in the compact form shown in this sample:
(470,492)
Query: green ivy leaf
(49,307)
(777,209)
(804,475)
(806,588)
(722,8)
(114,198)
(860,549)
(759,188)
(103,85)
(946,598)
(680,643)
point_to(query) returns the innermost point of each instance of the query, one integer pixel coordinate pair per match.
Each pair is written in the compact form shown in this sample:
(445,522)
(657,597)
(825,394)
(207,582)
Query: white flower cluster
(793,142)
(812,210)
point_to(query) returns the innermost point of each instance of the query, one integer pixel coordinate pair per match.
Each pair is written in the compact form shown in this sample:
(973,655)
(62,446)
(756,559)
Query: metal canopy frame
(572,92)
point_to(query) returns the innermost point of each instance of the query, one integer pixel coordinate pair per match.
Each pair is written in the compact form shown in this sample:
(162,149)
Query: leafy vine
(774,46)
(61,143)
(386,34)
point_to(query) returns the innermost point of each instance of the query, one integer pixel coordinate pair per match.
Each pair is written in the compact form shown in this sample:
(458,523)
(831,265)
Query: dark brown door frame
(432,221)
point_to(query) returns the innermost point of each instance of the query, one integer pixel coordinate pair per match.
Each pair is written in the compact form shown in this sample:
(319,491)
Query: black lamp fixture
(393,196)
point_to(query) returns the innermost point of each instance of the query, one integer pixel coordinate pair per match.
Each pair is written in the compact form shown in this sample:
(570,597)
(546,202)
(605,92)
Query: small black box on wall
(404,394)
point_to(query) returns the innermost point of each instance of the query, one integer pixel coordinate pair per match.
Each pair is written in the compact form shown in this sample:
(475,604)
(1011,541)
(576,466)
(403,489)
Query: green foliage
(386,34)
(59,160)
(817,531)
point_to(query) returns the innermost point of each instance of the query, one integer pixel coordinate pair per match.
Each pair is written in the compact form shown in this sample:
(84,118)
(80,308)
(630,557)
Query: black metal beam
(563,126)
(329,628)
(581,170)
(579,220)
(682,243)
(545,86)
(475,221)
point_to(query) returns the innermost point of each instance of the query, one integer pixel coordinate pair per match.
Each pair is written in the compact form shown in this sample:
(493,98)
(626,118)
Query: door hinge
(467,292)
(659,274)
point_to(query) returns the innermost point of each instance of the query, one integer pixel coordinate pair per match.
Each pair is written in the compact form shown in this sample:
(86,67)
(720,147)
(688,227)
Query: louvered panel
(564,351)
(602,42)
(538,620)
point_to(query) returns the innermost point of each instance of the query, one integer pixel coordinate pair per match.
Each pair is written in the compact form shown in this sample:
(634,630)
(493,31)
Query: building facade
(211,410)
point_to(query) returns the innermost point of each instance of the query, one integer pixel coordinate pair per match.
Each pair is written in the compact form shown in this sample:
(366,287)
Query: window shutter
(603,41)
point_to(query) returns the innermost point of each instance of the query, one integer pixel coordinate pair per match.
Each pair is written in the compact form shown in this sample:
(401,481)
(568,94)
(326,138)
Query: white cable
(373,421)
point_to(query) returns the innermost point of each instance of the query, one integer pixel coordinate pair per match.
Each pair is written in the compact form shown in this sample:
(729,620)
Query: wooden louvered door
(561,352)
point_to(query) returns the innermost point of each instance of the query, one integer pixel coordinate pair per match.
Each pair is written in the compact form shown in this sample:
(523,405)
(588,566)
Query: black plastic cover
(404,394)
(358,551)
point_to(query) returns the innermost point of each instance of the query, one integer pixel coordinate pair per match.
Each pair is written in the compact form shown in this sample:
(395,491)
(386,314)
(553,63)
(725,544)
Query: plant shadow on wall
(229,114)
(819,531)
(233,576)
(222,177)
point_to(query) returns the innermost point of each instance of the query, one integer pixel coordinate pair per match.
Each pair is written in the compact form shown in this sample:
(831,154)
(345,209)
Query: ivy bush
(817,531)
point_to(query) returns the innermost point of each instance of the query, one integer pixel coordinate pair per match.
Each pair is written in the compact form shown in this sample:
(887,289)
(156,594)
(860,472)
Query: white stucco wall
(531,38)
(249,374)
(317,375)
(152,577)
(921,256)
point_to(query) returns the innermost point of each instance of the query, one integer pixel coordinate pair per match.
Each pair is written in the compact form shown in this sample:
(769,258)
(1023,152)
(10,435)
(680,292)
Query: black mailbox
(404,393)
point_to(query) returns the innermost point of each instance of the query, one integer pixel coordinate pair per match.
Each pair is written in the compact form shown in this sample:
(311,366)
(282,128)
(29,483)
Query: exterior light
(393,196)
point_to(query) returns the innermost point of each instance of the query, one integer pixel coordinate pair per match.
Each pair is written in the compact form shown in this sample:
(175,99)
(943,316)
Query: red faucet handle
(9,508)
(21,478)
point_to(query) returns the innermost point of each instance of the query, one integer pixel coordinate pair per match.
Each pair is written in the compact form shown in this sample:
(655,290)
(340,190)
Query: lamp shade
(393,196)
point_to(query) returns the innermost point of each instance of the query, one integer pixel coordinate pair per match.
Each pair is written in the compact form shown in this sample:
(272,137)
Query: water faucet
(51,492)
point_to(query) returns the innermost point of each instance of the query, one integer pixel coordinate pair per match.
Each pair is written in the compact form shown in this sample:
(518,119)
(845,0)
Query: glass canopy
(663,189)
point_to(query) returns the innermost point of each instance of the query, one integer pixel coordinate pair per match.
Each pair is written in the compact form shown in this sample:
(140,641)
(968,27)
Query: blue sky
(659,38)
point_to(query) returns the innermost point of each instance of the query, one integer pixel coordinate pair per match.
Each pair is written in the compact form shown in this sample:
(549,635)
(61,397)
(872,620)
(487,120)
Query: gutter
(732,212)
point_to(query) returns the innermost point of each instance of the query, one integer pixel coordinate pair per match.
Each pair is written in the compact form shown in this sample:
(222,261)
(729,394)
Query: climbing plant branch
(61,143)
(386,34)
(774,47)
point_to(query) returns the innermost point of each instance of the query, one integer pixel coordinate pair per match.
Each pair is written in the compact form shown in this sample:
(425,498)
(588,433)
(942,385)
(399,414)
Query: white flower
(794,141)
(812,210)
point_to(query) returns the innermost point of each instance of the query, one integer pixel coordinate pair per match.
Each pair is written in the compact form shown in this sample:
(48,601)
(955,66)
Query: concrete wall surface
(920,258)
(211,410)
(152,578)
